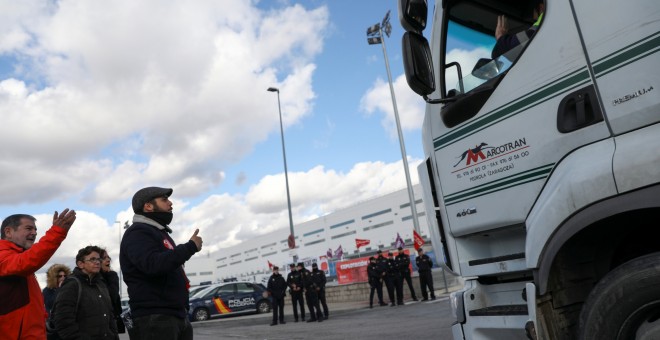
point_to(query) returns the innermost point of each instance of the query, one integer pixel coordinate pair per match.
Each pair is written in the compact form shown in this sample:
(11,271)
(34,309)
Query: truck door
(622,41)
(508,122)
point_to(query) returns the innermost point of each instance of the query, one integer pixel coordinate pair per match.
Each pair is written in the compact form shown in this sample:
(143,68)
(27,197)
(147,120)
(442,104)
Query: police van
(542,162)
(228,298)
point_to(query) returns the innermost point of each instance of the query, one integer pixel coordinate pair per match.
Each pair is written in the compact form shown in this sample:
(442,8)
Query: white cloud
(146,92)
(409,105)
(226,220)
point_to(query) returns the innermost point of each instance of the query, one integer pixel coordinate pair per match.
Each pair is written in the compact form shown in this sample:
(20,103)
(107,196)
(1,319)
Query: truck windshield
(472,50)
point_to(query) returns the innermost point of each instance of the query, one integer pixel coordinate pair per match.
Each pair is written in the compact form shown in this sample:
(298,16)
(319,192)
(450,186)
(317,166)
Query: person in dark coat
(375,282)
(393,280)
(91,316)
(319,277)
(382,263)
(311,295)
(54,278)
(404,268)
(424,265)
(112,281)
(277,290)
(152,267)
(294,281)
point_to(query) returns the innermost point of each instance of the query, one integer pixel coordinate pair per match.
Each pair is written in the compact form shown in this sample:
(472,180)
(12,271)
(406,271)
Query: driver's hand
(502,27)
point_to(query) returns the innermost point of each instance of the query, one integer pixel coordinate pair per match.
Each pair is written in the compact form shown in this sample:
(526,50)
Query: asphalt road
(415,320)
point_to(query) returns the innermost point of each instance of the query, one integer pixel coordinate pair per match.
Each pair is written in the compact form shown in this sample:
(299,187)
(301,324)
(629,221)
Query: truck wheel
(263,306)
(201,314)
(625,304)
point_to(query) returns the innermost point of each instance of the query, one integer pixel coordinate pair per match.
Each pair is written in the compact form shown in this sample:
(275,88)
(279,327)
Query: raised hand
(197,240)
(65,219)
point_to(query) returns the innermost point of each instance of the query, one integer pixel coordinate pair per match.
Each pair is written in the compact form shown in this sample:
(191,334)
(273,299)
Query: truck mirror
(417,63)
(487,68)
(412,15)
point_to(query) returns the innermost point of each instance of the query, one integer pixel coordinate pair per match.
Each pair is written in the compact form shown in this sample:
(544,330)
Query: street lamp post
(286,175)
(374,37)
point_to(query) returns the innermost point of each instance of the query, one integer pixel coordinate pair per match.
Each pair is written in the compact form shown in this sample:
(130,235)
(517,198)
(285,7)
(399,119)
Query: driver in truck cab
(508,41)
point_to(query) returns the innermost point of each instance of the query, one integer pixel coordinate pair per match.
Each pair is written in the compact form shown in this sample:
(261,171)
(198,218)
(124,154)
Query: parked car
(196,289)
(228,298)
(124,304)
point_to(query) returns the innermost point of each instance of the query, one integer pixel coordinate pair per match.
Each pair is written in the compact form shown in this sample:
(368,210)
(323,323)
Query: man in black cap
(294,281)
(404,267)
(277,290)
(424,265)
(381,262)
(392,280)
(152,266)
(319,277)
(311,295)
(375,282)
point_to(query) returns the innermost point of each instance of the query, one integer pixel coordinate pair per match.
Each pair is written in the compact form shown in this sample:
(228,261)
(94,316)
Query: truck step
(497,259)
(500,310)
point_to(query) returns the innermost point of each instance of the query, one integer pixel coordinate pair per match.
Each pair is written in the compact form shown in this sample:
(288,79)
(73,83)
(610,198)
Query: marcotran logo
(483,151)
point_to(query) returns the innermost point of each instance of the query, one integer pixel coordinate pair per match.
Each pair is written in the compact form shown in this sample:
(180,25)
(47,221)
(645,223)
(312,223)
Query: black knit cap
(147,194)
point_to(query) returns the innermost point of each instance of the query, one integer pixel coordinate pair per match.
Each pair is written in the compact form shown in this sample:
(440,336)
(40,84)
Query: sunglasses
(93,259)
(61,275)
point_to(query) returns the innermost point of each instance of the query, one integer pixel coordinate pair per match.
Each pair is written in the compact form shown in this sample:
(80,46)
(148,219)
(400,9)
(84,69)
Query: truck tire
(625,303)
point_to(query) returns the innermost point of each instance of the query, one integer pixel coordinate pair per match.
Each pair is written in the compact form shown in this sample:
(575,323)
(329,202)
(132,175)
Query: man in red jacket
(22,311)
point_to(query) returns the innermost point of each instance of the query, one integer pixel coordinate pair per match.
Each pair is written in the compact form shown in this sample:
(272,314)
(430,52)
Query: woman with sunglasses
(54,278)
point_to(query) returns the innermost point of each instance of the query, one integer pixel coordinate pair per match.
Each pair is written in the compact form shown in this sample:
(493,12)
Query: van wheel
(263,306)
(201,314)
(625,304)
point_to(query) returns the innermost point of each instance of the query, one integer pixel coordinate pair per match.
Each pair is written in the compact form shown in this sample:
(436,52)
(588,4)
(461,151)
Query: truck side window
(486,38)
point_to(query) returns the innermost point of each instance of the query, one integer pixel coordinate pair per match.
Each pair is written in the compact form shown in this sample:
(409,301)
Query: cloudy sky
(99,99)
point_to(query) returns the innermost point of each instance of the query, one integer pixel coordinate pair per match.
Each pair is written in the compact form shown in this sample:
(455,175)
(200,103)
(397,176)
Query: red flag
(361,243)
(270,265)
(419,242)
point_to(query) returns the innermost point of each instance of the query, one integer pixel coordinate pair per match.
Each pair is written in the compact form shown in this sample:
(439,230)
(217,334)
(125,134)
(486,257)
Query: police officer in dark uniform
(319,276)
(311,295)
(404,267)
(294,281)
(383,265)
(424,265)
(277,289)
(394,276)
(375,282)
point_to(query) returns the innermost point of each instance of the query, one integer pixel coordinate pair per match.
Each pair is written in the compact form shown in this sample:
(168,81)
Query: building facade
(377,220)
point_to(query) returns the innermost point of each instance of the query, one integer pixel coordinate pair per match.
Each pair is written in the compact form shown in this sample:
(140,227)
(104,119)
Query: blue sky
(101,101)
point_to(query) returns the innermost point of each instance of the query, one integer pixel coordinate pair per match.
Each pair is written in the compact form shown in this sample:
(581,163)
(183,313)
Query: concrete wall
(360,291)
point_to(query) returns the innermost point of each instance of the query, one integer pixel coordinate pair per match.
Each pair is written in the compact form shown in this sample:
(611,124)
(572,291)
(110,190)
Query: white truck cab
(542,162)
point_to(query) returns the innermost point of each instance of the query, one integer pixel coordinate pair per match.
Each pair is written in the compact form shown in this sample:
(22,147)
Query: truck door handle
(578,109)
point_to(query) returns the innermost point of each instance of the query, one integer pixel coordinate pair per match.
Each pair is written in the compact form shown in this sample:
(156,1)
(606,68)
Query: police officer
(375,282)
(294,281)
(424,265)
(311,295)
(319,276)
(394,276)
(383,266)
(404,267)
(277,289)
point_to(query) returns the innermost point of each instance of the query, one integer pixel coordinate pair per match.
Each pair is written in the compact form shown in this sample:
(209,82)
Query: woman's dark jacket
(94,318)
